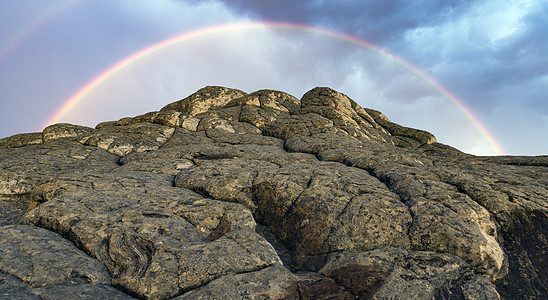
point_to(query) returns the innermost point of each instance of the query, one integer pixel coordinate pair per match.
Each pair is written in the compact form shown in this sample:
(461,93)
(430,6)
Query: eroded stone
(146,237)
(42,258)
(167,205)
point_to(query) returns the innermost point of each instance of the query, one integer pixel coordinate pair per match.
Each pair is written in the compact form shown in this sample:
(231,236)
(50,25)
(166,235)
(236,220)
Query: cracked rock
(230,195)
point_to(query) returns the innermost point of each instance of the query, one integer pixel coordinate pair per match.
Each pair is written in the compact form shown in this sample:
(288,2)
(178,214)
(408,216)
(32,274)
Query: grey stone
(22,169)
(204,99)
(416,274)
(287,127)
(268,99)
(121,140)
(13,209)
(148,236)
(83,291)
(64,130)
(20,140)
(14,288)
(41,258)
(261,117)
(479,288)
(226,194)
(314,207)
(268,283)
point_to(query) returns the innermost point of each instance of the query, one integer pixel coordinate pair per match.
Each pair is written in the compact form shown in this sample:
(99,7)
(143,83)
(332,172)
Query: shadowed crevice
(348,282)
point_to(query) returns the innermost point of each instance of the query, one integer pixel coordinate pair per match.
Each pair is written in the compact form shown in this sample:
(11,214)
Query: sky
(473,73)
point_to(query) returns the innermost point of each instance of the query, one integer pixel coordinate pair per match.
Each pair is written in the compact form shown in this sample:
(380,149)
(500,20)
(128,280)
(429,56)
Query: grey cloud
(487,60)
(379,21)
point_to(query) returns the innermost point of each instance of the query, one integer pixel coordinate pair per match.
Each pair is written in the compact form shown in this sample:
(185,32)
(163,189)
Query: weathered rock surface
(228,195)
(37,263)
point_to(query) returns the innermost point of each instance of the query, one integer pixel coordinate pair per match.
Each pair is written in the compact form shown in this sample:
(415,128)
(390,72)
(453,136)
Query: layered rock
(231,195)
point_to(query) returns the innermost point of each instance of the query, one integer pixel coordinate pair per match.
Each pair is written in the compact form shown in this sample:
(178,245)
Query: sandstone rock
(121,140)
(314,207)
(63,130)
(43,259)
(415,274)
(22,169)
(268,283)
(232,195)
(321,97)
(147,237)
(276,100)
(409,134)
(204,99)
(22,139)
(287,127)
(14,288)
(84,291)
(327,287)
(13,209)
(36,263)
(260,117)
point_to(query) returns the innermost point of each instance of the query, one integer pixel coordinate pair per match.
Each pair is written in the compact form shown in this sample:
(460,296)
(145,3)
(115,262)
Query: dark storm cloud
(492,55)
(524,53)
(467,45)
(389,23)
(378,21)
(462,46)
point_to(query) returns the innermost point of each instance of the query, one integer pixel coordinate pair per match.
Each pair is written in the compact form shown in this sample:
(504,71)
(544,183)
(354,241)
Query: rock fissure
(291,206)
(203,286)
(462,191)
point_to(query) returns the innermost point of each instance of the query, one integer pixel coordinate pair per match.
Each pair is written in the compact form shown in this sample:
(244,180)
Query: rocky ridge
(230,195)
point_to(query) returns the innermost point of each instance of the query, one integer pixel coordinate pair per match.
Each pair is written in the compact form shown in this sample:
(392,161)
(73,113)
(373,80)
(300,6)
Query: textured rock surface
(228,195)
(38,263)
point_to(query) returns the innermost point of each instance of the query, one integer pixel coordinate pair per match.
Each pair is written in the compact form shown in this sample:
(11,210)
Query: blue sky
(490,54)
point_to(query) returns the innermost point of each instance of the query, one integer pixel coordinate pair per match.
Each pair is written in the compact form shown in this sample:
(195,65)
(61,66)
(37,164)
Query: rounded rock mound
(231,195)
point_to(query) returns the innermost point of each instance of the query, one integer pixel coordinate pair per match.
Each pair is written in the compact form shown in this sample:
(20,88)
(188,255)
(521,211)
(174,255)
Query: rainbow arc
(114,69)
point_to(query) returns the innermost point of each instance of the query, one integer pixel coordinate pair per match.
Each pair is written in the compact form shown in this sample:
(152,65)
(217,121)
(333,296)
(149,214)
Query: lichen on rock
(231,195)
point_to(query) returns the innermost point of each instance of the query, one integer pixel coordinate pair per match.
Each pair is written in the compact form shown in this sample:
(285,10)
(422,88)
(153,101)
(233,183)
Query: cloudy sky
(474,73)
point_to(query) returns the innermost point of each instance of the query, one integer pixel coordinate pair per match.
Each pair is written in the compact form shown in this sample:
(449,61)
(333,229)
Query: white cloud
(294,62)
(484,42)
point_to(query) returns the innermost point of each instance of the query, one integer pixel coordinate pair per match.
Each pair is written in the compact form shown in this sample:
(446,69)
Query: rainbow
(105,75)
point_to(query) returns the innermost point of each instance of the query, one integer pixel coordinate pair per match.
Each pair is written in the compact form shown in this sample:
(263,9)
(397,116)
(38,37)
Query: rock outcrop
(229,195)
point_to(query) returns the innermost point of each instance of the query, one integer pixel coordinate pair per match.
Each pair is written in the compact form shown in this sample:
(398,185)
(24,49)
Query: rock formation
(228,195)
